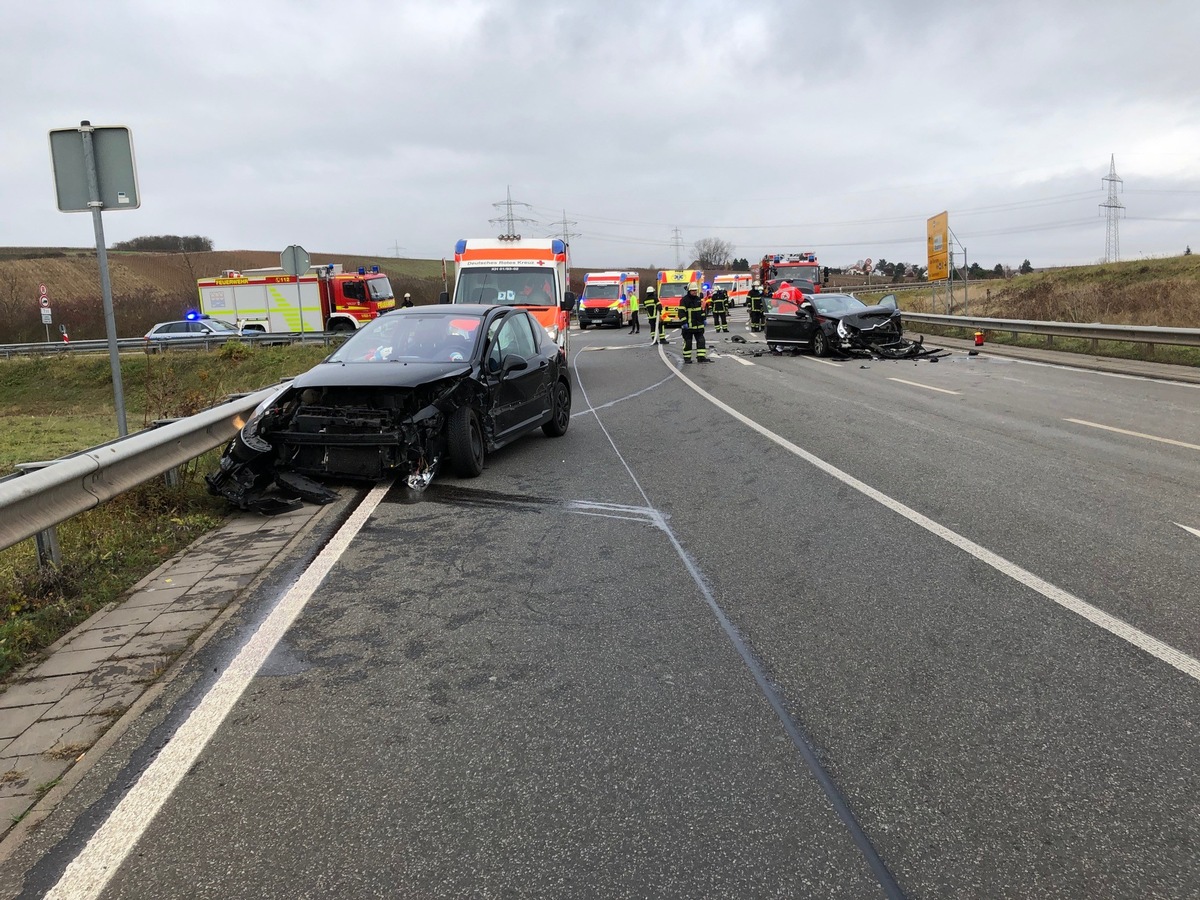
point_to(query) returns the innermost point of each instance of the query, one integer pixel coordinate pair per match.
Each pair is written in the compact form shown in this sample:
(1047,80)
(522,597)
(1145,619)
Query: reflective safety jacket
(720,301)
(633,303)
(754,299)
(651,305)
(691,312)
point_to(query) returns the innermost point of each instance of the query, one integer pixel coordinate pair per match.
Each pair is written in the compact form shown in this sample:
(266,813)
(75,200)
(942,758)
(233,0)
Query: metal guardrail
(37,500)
(1138,334)
(126,345)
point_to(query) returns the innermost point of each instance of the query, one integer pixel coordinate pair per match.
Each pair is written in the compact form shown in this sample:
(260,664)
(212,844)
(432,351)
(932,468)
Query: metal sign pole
(110,322)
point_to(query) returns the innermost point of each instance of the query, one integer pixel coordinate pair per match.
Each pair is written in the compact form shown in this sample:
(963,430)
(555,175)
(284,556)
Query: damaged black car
(830,323)
(414,392)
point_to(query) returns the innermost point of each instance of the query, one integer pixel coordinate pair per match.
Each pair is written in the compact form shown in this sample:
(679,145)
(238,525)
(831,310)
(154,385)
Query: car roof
(448,309)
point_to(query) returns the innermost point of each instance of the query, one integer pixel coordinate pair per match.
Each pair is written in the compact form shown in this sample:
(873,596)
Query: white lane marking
(926,386)
(1160,650)
(744,362)
(1149,437)
(590,410)
(114,840)
(824,362)
(610,347)
(1195,531)
(1067,368)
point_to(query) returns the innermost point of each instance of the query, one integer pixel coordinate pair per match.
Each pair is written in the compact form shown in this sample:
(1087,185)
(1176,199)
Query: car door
(520,393)
(793,326)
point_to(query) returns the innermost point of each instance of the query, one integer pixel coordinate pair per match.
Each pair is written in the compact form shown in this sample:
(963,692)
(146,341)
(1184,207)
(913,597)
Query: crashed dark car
(828,323)
(416,391)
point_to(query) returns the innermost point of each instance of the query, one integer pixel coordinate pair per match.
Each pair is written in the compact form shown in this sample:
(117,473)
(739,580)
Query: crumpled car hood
(377,374)
(870,317)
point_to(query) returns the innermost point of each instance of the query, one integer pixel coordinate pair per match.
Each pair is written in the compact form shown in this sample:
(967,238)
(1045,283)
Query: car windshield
(428,337)
(600,292)
(509,285)
(672,291)
(220,325)
(380,288)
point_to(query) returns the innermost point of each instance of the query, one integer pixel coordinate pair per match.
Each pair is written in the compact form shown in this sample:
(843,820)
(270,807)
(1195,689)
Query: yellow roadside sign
(936,233)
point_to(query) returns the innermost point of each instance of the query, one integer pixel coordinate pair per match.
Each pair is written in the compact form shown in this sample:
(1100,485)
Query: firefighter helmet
(649,290)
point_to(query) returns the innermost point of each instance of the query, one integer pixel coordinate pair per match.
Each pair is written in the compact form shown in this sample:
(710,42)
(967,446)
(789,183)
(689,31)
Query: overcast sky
(357,126)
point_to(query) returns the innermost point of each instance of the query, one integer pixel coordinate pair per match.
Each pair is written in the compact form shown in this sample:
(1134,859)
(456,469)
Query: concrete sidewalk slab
(54,710)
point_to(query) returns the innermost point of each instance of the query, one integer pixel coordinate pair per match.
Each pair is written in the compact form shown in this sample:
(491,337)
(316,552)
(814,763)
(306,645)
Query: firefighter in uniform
(691,311)
(757,305)
(720,309)
(651,305)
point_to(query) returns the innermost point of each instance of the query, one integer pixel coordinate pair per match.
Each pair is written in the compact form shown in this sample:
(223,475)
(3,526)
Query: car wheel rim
(562,411)
(476,442)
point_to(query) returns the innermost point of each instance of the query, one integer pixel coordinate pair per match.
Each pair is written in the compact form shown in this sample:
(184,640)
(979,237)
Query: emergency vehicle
(322,299)
(530,273)
(791,267)
(603,301)
(736,284)
(672,285)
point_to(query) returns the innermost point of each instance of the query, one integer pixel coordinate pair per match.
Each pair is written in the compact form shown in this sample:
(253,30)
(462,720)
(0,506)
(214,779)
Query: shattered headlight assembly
(249,432)
(843,331)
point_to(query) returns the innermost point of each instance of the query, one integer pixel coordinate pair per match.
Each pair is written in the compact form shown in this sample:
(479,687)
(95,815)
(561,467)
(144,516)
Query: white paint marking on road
(1195,531)
(824,362)
(114,840)
(610,347)
(926,386)
(590,410)
(1160,650)
(744,362)
(1046,365)
(1148,437)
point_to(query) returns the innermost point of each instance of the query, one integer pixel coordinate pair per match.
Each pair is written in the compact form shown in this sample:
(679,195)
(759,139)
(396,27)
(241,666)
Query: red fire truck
(790,267)
(322,299)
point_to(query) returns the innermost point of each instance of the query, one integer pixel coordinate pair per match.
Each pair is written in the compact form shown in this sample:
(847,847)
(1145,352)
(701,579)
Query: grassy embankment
(50,407)
(1164,292)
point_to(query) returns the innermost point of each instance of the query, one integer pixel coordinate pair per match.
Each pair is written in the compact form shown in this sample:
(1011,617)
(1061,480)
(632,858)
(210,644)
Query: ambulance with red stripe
(736,284)
(672,284)
(530,273)
(322,299)
(604,297)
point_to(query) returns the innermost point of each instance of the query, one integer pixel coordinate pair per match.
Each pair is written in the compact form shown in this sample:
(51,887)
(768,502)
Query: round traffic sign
(42,290)
(44,302)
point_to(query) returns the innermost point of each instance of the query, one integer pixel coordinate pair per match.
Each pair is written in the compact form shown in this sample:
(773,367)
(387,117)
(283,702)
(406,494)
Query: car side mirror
(444,297)
(568,301)
(513,363)
(804,308)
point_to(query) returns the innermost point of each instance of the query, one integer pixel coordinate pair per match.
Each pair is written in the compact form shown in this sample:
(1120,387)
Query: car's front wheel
(464,439)
(820,345)
(560,413)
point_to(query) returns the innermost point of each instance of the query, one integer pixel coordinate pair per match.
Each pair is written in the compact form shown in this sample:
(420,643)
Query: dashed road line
(1189,529)
(927,387)
(1148,437)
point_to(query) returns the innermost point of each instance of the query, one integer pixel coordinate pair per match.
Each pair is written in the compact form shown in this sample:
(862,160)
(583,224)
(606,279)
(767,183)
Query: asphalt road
(786,628)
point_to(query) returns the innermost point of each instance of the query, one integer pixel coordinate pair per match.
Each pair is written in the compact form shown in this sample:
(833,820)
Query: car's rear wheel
(820,343)
(464,440)
(560,413)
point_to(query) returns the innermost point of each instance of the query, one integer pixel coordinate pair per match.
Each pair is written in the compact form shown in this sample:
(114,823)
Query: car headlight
(841,329)
(552,332)
(249,432)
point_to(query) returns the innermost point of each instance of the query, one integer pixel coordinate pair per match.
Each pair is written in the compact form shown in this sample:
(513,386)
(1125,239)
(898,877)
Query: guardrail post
(49,552)
(1049,341)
